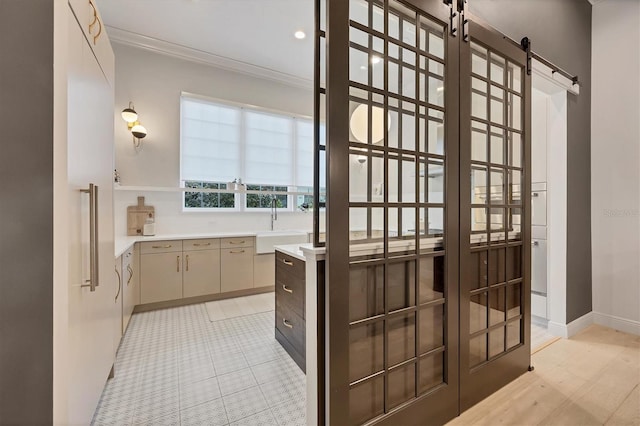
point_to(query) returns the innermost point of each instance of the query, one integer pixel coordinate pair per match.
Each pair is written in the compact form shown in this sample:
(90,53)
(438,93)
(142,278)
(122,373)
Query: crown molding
(152,44)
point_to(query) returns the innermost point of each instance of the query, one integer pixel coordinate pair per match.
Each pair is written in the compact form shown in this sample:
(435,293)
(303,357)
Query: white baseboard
(617,323)
(571,329)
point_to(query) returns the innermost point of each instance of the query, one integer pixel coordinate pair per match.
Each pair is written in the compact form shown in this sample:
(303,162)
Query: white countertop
(123,243)
(303,252)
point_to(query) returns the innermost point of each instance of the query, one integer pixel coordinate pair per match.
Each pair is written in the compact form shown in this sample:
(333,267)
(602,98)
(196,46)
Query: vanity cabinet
(201,274)
(236,264)
(131,284)
(264,271)
(161,271)
(290,321)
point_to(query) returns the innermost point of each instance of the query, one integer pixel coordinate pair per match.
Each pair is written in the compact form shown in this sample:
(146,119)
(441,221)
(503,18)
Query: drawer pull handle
(236,251)
(130,274)
(177,263)
(167,246)
(237,242)
(287,289)
(199,244)
(287,262)
(287,323)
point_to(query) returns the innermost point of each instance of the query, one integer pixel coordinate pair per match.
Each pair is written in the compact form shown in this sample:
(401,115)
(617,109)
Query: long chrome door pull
(94,257)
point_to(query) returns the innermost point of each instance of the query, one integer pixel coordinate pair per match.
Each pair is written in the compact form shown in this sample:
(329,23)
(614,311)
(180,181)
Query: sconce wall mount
(138,131)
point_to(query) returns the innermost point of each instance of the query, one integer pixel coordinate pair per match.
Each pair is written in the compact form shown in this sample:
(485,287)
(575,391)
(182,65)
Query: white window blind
(269,148)
(304,153)
(269,151)
(211,148)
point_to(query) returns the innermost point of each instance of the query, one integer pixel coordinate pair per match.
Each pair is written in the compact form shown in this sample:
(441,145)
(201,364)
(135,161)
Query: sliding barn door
(427,277)
(494,213)
(392,216)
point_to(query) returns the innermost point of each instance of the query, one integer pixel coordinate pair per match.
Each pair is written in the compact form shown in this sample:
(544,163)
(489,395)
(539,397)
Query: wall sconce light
(138,131)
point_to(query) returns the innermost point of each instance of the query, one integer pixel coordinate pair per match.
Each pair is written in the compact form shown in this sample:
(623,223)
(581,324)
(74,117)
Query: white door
(90,160)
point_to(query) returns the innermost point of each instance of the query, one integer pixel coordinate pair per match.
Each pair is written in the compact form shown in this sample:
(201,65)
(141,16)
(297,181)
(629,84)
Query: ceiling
(257,34)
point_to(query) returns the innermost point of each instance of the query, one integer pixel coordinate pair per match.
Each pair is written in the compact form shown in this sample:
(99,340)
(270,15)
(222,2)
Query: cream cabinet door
(117,301)
(92,315)
(236,269)
(160,277)
(201,273)
(131,285)
(264,270)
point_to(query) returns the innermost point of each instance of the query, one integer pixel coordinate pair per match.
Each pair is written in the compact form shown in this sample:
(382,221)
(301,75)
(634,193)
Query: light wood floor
(590,379)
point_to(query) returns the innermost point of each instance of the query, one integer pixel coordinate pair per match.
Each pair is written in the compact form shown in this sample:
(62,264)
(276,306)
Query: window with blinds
(268,151)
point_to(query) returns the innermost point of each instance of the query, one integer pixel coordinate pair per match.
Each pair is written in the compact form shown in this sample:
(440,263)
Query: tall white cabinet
(93,312)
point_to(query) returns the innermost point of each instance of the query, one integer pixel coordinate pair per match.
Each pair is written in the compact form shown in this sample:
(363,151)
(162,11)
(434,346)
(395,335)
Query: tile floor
(176,367)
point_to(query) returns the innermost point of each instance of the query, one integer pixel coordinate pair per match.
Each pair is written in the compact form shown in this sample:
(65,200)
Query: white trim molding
(571,329)
(621,324)
(152,44)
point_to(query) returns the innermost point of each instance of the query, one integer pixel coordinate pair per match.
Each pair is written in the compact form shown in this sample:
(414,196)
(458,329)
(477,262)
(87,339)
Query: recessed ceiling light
(299,35)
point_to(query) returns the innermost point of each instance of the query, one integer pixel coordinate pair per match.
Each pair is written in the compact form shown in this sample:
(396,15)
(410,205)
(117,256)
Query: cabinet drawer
(206,244)
(148,247)
(292,327)
(290,264)
(290,291)
(236,242)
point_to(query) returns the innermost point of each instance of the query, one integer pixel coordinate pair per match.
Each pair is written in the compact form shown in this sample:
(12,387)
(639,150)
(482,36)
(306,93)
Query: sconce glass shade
(359,124)
(129,115)
(139,131)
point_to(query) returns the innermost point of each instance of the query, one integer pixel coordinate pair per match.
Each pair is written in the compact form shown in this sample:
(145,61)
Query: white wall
(153,82)
(615,159)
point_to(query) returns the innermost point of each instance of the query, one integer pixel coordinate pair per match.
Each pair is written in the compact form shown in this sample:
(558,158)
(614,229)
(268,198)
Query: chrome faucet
(274,210)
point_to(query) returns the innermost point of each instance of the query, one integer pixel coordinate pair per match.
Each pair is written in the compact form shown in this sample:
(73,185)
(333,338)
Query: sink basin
(265,241)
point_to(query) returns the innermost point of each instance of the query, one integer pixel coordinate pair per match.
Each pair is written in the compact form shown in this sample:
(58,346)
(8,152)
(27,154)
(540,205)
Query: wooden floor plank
(590,379)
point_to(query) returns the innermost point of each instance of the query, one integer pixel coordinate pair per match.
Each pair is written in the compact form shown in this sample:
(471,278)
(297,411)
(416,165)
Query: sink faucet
(274,210)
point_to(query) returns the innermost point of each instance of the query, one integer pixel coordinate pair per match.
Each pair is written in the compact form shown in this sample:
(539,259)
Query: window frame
(240,198)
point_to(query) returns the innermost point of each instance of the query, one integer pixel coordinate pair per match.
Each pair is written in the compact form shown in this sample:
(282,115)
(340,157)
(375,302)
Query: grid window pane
(431,372)
(402,384)
(431,278)
(478,312)
(513,333)
(366,400)
(401,338)
(366,349)
(478,350)
(496,341)
(401,285)
(366,291)
(431,328)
